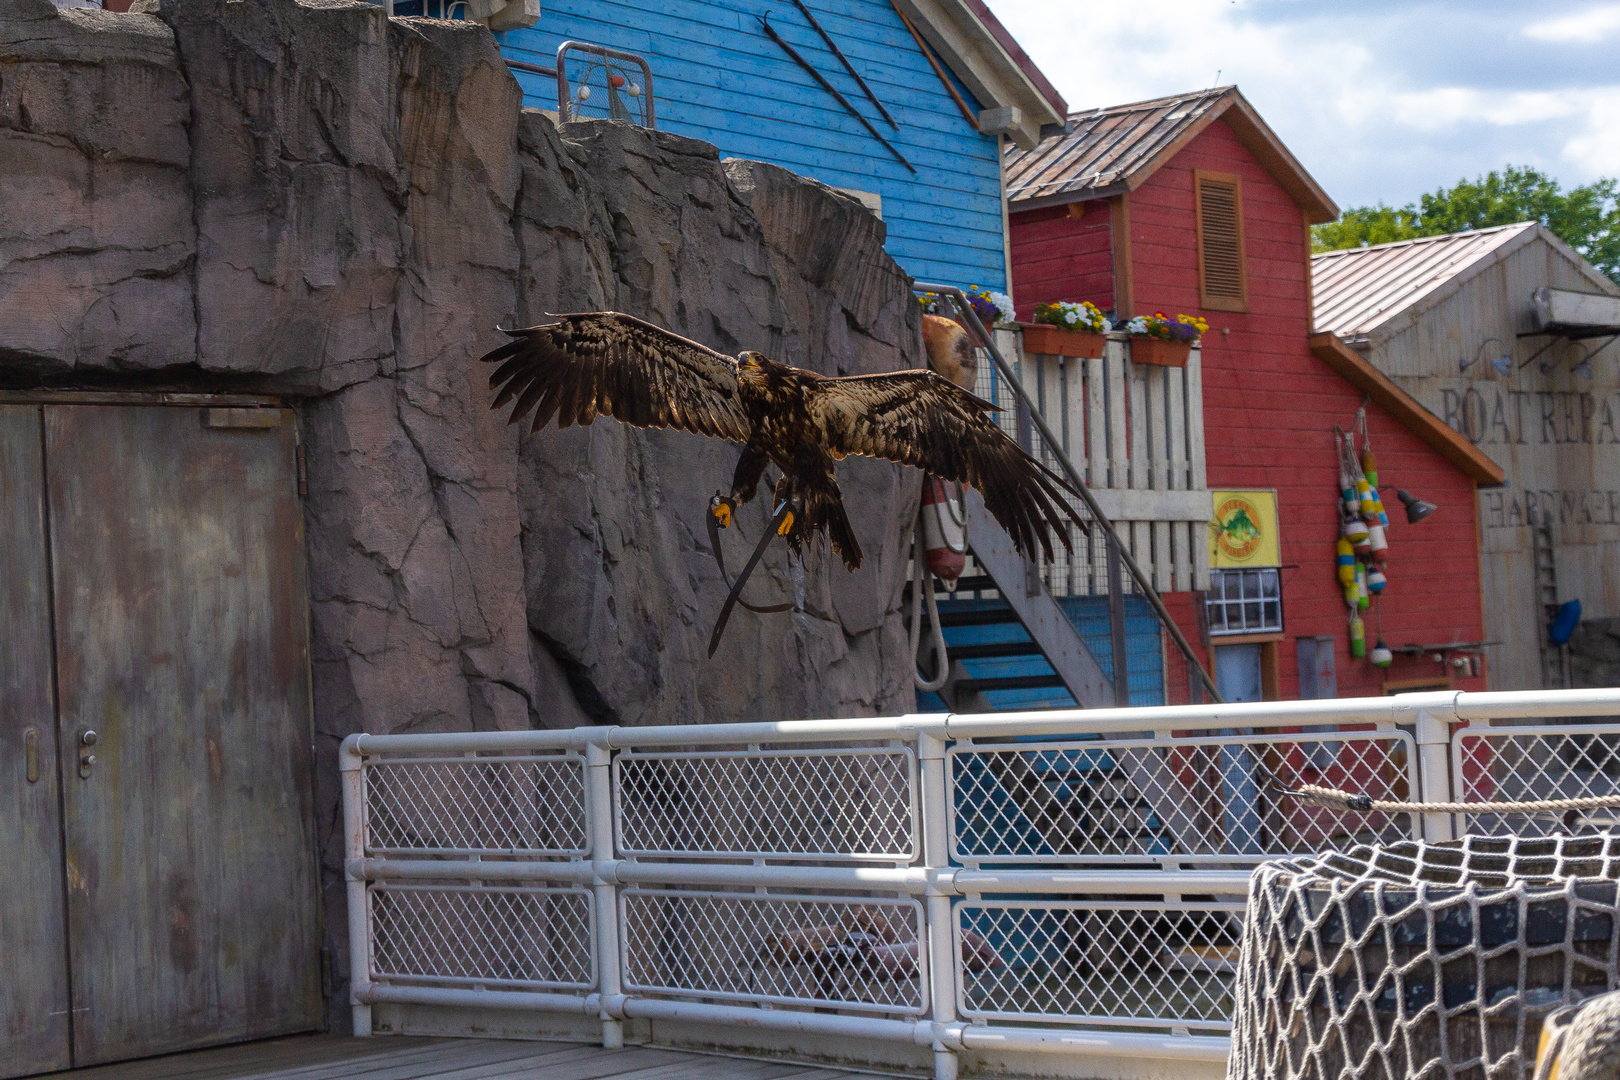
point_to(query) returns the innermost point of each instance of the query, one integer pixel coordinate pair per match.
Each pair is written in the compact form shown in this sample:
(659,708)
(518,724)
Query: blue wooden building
(718,76)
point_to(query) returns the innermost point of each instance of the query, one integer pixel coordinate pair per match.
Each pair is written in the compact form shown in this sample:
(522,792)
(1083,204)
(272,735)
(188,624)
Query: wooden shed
(1191,204)
(1453,320)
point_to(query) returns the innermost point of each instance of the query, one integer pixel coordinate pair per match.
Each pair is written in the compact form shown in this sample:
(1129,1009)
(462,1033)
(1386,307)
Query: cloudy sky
(1381,99)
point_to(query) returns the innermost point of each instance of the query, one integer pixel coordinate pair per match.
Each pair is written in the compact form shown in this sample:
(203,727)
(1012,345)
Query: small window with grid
(1244,601)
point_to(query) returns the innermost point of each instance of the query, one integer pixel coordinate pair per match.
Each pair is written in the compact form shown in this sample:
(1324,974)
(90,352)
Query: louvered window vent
(1222,281)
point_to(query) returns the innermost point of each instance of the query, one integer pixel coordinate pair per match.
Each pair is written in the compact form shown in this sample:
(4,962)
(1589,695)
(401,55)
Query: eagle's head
(752,366)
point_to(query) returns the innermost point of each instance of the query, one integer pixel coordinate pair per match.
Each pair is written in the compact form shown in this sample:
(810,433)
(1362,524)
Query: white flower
(1137,325)
(1004,307)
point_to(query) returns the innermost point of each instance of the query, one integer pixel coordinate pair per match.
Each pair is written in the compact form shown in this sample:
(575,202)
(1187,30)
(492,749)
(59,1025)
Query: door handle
(87,759)
(31,755)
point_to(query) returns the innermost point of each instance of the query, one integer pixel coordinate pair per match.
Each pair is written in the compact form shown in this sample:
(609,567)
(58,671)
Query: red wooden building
(1191,204)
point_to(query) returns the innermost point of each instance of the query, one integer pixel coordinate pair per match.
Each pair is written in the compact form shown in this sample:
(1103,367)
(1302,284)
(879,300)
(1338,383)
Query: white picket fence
(1136,432)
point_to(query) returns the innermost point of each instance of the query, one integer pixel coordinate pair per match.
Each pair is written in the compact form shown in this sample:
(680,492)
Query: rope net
(1421,961)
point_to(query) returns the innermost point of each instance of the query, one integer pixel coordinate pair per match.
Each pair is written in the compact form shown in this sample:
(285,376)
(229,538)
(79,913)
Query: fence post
(599,812)
(1434,771)
(350,762)
(1116,625)
(937,906)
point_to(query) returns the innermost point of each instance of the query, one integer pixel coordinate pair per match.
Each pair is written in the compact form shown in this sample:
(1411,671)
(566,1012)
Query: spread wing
(602,363)
(919,418)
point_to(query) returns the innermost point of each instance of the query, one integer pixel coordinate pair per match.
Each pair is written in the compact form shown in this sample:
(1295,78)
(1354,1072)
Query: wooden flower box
(1146,350)
(1044,339)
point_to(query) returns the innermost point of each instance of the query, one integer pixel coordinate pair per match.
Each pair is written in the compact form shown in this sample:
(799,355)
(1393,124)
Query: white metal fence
(1068,881)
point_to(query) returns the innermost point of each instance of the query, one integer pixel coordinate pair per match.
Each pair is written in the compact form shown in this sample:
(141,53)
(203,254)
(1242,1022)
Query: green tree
(1587,218)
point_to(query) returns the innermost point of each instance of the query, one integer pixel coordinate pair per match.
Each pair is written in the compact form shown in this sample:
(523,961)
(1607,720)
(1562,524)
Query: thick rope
(1344,800)
(922,578)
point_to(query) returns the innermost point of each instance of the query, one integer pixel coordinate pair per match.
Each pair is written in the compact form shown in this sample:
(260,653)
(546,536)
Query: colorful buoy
(1355,531)
(1377,543)
(1376,580)
(1381,656)
(1346,562)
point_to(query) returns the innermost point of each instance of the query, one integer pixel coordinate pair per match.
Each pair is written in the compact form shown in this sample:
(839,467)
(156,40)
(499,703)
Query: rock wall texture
(306,198)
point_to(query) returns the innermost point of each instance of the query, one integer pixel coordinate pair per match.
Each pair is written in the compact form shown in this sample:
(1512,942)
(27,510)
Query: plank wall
(720,79)
(1556,434)
(1269,411)
(1058,256)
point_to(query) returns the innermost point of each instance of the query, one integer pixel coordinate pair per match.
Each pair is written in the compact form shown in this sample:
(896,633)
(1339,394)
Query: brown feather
(920,418)
(609,364)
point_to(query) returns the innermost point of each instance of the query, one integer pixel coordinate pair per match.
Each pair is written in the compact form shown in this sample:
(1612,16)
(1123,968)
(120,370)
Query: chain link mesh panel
(1098,962)
(529,805)
(851,953)
(1194,798)
(821,804)
(1421,961)
(458,935)
(1525,763)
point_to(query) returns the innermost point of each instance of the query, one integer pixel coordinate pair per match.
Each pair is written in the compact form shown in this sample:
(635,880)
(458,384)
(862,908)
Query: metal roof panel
(1357,289)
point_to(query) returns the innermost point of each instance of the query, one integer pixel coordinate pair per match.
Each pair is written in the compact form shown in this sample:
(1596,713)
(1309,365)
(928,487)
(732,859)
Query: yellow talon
(786,526)
(722,514)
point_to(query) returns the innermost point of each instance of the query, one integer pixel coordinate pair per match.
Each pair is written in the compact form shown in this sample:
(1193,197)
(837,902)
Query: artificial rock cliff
(306,198)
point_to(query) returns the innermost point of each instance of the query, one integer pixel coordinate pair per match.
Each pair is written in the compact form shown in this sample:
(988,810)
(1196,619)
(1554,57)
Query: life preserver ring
(944,533)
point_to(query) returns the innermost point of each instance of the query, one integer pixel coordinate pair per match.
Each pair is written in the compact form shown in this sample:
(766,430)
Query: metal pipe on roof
(928,54)
(831,89)
(836,51)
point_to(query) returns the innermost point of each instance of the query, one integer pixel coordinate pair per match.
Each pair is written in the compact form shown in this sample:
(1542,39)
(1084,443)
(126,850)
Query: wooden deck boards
(336,1057)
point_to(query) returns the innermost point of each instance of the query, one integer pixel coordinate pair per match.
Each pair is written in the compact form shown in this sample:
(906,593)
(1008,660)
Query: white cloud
(1596,150)
(1370,115)
(1449,106)
(1586,27)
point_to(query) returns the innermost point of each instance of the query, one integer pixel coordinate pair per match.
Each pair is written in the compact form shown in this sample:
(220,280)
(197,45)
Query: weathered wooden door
(33,959)
(182,728)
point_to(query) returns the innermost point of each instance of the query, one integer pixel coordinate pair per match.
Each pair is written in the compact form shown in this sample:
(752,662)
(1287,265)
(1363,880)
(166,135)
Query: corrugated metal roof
(1102,148)
(1356,289)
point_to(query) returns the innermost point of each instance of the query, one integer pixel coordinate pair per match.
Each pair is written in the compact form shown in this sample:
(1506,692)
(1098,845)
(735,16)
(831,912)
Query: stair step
(1013,682)
(979,583)
(995,616)
(976,583)
(994,651)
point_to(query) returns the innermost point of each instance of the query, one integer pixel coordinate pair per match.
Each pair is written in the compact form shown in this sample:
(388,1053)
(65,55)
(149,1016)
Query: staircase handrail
(970,319)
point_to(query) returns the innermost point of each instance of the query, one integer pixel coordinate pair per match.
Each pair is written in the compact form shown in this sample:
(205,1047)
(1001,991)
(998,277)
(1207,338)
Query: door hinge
(303,473)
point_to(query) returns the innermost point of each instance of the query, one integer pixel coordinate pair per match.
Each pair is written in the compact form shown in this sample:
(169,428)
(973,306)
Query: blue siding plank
(718,78)
(689,23)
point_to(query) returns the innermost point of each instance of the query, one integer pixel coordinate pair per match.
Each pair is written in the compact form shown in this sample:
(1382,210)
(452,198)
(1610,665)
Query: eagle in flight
(603,363)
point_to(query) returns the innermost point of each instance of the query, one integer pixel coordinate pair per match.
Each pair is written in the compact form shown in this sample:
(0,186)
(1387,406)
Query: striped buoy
(944,539)
(1378,544)
(1346,562)
(1355,531)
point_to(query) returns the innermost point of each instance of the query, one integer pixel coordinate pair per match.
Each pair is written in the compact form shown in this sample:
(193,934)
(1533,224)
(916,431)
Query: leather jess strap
(734,597)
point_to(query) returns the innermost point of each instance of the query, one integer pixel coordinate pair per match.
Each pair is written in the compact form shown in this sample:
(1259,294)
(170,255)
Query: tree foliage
(1587,218)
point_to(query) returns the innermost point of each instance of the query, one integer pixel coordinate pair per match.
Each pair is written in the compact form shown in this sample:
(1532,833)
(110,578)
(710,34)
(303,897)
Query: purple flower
(983,308)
